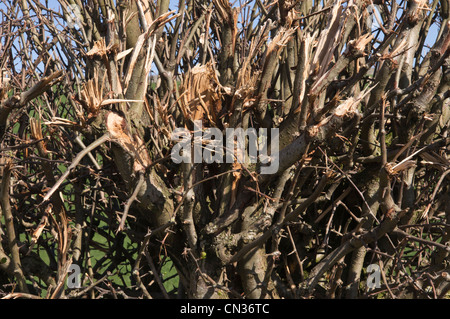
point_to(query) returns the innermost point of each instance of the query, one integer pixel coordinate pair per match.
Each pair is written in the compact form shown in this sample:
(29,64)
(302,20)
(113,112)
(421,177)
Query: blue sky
(431,38)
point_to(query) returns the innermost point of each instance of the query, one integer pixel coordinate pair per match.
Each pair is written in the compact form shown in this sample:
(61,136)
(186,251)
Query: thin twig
(130,202)
(156,274)
(75,162)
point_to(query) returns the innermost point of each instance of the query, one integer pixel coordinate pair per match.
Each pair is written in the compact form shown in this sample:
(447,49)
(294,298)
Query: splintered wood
(131,143)
(201,99)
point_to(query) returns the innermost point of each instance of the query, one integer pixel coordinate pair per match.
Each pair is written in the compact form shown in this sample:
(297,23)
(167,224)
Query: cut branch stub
(356,47)
(131,144)
(92,96)
(328,40)
(101,50)
(331,124)
(201,99)
(273,52)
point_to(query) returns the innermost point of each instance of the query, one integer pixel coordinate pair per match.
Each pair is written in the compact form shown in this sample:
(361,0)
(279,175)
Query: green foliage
(170,276)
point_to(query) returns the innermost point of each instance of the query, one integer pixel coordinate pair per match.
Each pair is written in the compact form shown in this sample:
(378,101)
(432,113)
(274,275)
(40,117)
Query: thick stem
(10,231)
